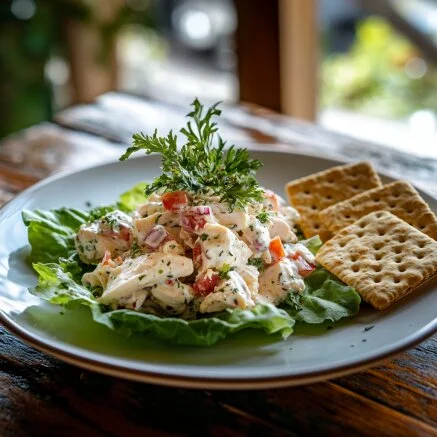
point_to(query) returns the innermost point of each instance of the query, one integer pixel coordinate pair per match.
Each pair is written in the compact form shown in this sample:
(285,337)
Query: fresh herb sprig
(199,167)
(264,216)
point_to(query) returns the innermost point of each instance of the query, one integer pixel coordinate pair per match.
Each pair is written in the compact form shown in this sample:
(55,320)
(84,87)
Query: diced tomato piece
(197,255)
(277,250)
(206,284)
(170,282)
(303,266)
(195,218)
(175,200)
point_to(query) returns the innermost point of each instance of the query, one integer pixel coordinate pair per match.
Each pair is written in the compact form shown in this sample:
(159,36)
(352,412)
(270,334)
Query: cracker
(312,194)
(399,198)
(381,256)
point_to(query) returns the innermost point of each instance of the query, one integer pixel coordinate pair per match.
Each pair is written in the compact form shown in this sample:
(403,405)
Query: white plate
(246,360)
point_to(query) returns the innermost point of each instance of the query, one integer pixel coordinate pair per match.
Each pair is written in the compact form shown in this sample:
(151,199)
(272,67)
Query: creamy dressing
(144,271)
(198,257)
(112,233)
(221,247)
(231,293)
(277,280)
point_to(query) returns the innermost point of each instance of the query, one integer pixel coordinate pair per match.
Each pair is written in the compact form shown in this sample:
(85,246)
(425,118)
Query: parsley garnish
(135,250)
(264,216)
(224,272)
(203,237)
(256,262)
(199,167)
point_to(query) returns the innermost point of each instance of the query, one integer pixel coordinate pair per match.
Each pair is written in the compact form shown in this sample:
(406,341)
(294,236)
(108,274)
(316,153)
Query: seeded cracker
(399,198)
(312,194)
(381,256)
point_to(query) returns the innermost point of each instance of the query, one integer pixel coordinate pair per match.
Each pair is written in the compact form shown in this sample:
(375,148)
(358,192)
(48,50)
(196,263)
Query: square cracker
(399,198)
(381,256)
(312,194)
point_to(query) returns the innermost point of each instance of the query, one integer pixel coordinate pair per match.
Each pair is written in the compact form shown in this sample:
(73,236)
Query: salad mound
(199,253)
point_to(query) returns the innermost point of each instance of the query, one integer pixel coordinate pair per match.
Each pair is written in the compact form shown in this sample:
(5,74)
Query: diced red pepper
(194,219)
(277,250)
(197,255)
(205,285)
(303,266)
(175,200)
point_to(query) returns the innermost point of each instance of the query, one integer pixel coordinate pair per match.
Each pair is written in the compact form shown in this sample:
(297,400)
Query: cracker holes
(313,207)
(398,259)
(360,234)
(397,249)
(396,280)
(381,232)
(421,244)
(347,216)
(316,226)
(307,192)
(402,268)
(355,187)
(392,205)
(378,256)
(377,200)
(402,239)
(377,279)
(363,225)
(329,197)
(377,268)
(379,214)
(355,268)
(420,255)
(377,246)
(330,181)
(354,258)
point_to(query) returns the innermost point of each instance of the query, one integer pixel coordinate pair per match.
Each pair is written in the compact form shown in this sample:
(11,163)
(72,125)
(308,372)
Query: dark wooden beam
(257,40)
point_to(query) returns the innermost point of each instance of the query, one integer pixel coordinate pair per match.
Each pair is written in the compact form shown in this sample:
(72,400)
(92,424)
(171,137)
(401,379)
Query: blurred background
(366,68)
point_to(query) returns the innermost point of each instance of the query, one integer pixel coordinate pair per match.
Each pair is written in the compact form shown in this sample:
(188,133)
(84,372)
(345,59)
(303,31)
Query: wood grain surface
(42,396)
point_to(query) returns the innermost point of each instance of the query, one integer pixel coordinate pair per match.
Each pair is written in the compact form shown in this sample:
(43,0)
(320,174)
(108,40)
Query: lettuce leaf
(325,298)
(129,200)
(313,244)
(51,233)
(56,285)
(201,332)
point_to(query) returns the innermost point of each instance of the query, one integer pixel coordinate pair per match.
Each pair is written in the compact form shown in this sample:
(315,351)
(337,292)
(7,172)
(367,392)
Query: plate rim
(218,382)
(210,382)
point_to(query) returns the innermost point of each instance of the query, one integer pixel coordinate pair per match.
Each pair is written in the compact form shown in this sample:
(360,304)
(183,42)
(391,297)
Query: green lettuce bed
(51,236)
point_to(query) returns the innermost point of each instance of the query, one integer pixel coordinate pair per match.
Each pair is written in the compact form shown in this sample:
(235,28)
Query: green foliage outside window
(383,74)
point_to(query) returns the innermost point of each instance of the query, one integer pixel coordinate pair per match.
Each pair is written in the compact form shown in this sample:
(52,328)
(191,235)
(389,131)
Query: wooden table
(42,396)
